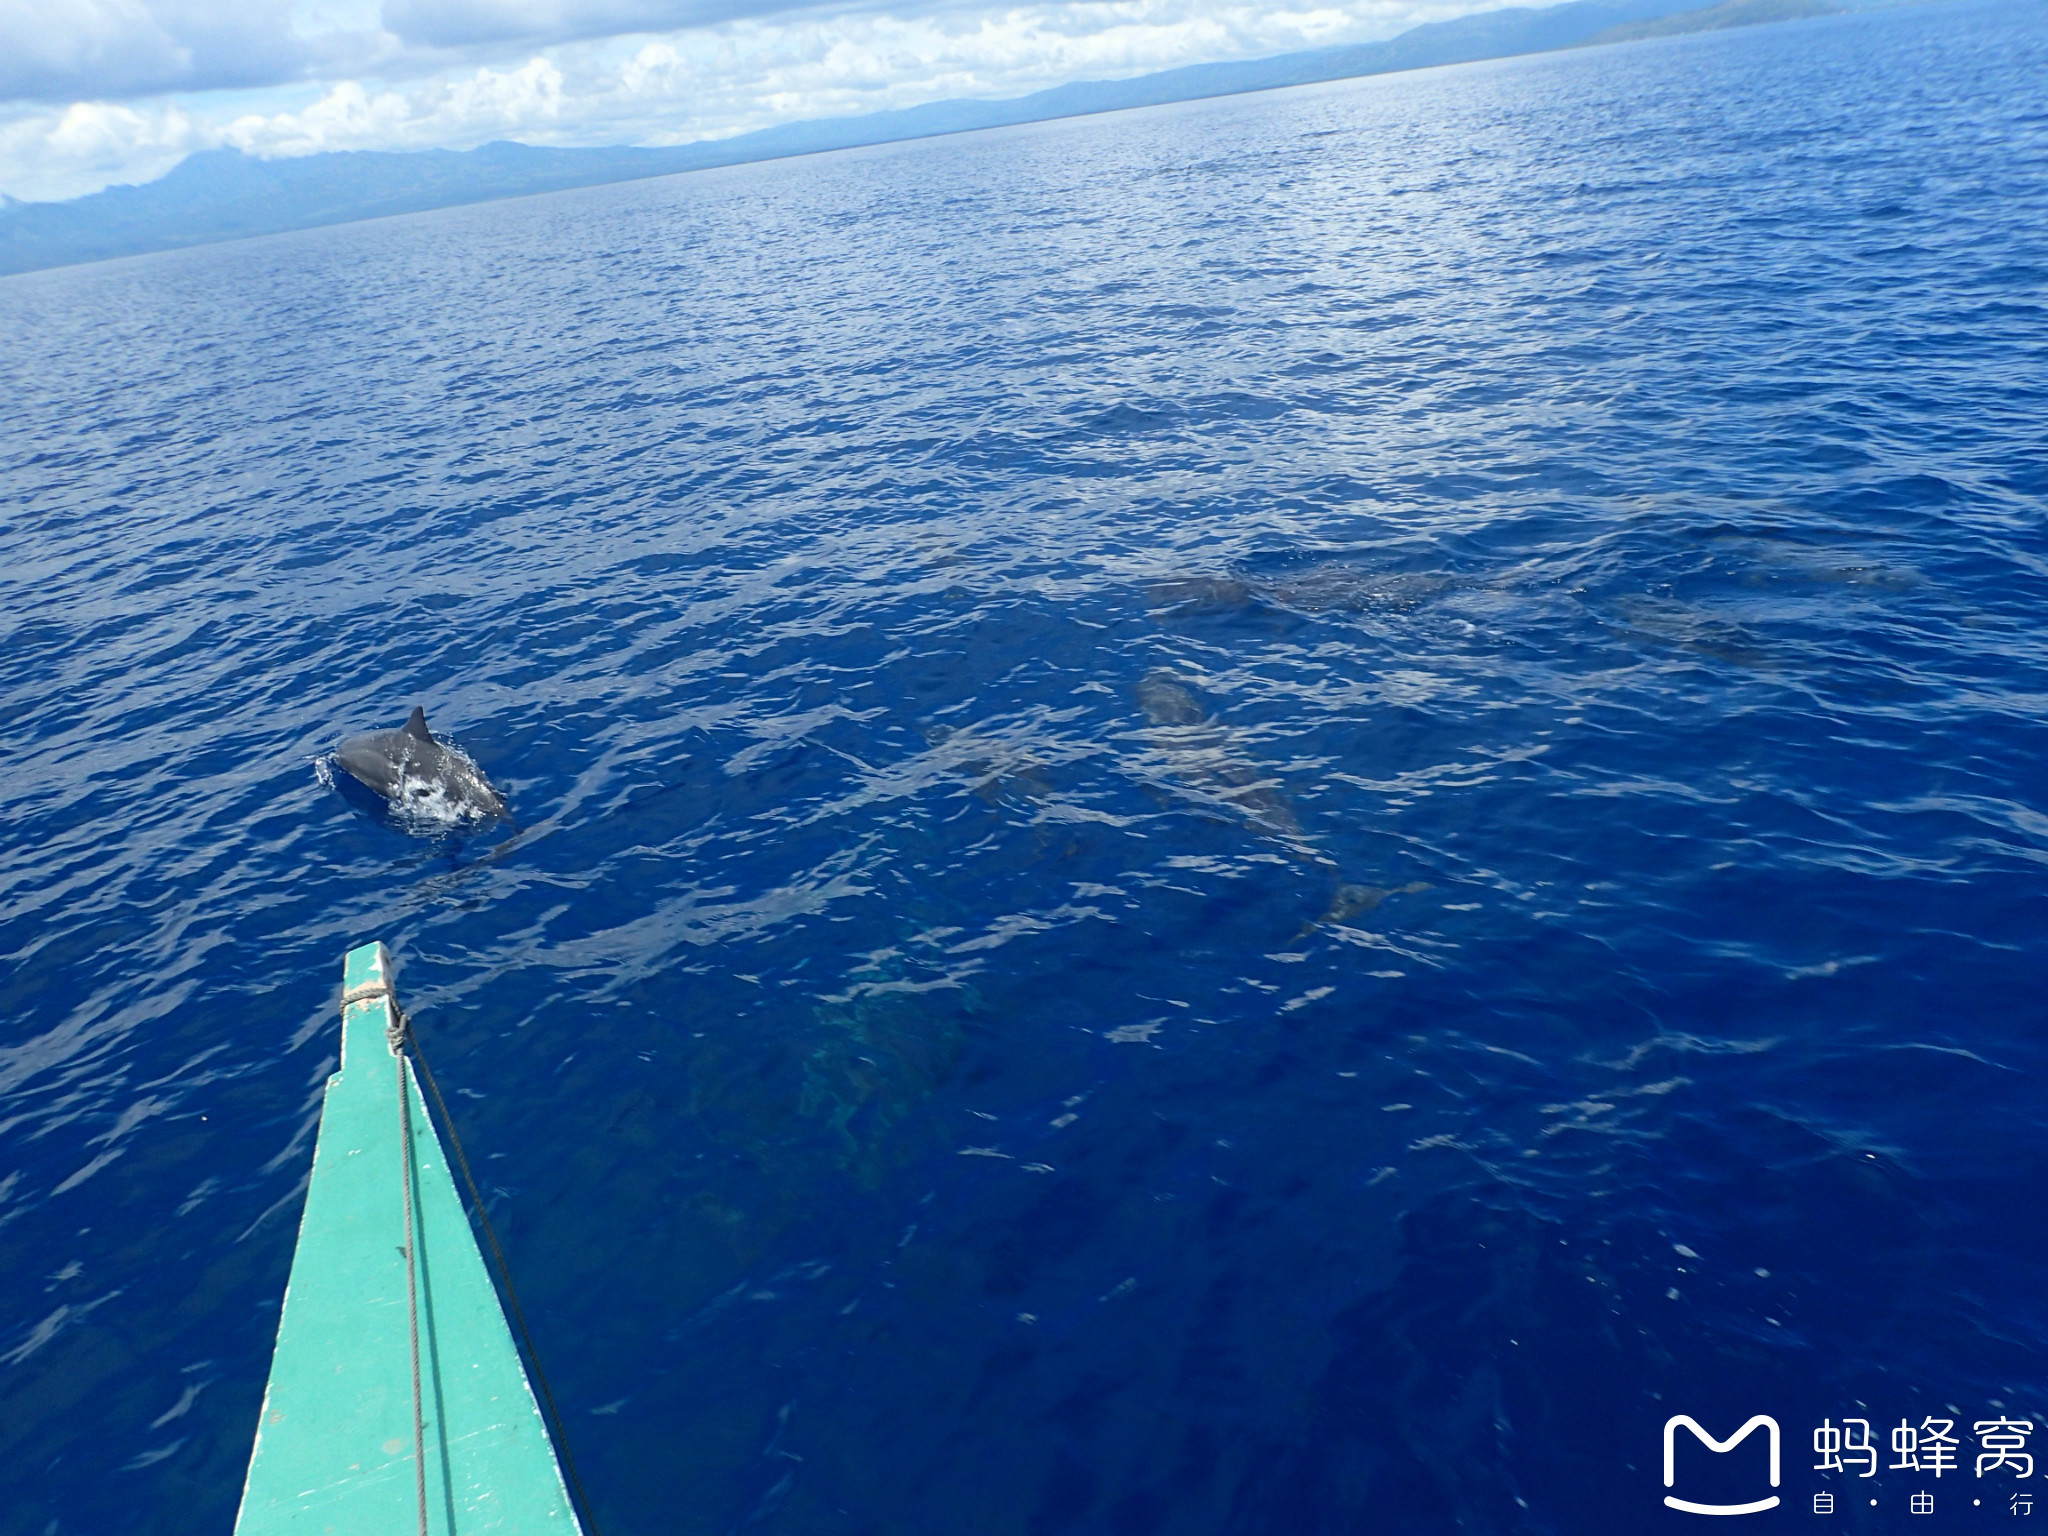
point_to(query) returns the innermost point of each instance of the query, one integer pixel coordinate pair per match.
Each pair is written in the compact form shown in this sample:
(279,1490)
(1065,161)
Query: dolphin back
(414,771)
(375,758)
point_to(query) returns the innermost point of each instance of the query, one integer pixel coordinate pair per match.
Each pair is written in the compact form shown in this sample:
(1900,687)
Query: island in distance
(223,194)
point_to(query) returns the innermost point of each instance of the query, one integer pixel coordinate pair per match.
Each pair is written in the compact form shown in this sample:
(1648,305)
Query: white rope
(365,992)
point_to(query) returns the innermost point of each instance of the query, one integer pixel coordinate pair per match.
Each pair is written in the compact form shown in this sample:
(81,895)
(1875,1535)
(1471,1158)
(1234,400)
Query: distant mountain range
(223,194)
(1717,18)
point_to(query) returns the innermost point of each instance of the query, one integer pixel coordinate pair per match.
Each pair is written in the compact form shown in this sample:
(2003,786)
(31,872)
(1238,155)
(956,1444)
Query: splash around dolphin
(422,777)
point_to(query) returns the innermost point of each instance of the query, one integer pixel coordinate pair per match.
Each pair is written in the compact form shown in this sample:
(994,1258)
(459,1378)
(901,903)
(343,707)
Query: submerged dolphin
(416,773)
(1201,755)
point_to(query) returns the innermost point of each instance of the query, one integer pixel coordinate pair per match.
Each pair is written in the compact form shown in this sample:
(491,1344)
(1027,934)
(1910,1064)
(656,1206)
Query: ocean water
(1275,816)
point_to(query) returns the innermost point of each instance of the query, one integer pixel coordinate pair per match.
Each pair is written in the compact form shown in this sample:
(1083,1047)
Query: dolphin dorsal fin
(416,724)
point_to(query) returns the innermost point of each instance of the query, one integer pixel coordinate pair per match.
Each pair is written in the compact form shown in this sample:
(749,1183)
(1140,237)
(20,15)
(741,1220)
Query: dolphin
(1332,587)
(1200,754)
(416,773)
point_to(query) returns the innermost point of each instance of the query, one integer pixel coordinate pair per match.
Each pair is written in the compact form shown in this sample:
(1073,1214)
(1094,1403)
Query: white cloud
(461,23)
(465,110)
(57,50)
(91,144)
(706,82)
(752,74)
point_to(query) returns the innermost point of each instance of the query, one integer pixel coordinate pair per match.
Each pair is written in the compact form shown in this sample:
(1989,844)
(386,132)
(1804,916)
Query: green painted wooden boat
(354,1439)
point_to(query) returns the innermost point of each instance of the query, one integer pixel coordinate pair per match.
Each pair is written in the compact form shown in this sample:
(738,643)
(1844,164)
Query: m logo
(1671,1463)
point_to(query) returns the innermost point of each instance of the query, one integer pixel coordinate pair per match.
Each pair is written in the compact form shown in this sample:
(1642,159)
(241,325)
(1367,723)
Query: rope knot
(396,1030)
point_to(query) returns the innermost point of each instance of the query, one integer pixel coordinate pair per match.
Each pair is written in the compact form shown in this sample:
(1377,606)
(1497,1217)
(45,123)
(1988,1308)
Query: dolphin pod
(419,774)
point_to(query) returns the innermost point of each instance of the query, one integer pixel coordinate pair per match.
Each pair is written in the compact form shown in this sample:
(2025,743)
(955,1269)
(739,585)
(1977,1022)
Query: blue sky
(94,92)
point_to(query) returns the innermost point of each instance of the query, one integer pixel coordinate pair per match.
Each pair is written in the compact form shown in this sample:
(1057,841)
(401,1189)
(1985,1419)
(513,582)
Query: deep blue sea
(1276,816)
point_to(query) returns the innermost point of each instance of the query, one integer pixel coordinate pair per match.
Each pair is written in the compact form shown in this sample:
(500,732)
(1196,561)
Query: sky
(96,92)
